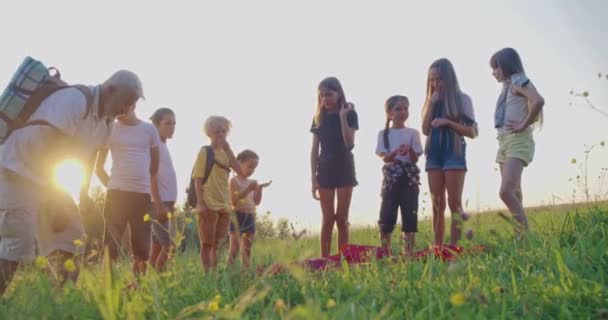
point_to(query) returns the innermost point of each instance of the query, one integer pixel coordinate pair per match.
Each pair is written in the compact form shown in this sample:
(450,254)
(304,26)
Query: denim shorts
(245,223)
(446,158)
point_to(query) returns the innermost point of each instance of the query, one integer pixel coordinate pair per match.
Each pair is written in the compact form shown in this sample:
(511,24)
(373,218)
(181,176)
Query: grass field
(560,272)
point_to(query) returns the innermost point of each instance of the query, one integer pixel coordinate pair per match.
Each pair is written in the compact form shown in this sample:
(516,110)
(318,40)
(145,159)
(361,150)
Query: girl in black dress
(333,166)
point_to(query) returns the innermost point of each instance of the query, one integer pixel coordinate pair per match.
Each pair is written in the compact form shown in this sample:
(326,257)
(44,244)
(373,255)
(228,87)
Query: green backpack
(30,85)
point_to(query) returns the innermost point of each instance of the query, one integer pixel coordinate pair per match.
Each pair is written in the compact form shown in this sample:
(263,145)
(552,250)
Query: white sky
(259,62)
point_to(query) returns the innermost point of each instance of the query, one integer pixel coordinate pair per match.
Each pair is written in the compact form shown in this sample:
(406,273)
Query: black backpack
(209,163)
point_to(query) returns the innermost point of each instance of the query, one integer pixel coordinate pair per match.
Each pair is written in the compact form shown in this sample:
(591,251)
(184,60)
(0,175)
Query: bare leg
(154,252)
(246,251)
(344,198)
(234,247)
(410,242)
(454,183)
(512,171)
(329,217)
(163,256)
(7,271)
(385,240)
(437,189)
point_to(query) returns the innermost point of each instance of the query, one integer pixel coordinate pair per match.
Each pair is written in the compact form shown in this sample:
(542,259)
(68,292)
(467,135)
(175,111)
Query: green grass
(559,273)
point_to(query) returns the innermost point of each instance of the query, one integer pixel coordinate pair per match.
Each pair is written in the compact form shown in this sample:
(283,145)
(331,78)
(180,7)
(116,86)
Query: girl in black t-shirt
(333,168)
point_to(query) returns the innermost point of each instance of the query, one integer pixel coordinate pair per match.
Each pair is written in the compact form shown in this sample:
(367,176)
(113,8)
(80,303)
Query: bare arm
(89,166)
(463,130)
(234,164)
(100,171)
(348,133)
(234,193)
(155,192)
(198,187)
(426,121)
(314,162)
(413,155)
(257,198)
(535,102)
(314,156)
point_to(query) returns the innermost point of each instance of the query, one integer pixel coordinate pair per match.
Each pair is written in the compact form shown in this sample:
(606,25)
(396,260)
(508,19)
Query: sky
(259,63)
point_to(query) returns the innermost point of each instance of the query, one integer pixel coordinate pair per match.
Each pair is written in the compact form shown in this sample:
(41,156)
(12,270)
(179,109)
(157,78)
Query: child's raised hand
(435,96)
(264,185)
(346,108)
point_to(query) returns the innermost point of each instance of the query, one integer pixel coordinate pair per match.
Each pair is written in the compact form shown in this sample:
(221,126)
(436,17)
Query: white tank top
(246,204)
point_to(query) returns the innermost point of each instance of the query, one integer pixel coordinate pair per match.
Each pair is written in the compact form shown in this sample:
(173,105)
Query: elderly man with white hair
(75,127)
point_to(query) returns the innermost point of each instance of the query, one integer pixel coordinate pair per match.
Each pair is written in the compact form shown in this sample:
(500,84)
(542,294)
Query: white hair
(126,80)
(216,122)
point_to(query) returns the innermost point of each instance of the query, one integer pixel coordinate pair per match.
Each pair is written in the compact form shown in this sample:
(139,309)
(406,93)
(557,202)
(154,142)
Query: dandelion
(457,299)
(330,303)
(497,290)
(69,265)
(41,262)
(573,161)
(214,305)
(78,243)
(280,305)
(146,217)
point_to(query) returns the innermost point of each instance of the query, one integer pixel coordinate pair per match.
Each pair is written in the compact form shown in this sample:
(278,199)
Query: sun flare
(68,175)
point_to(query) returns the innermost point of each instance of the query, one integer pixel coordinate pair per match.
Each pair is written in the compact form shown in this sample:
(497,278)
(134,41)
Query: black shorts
(404,195)
(245,223)
(122,208)
(336,171)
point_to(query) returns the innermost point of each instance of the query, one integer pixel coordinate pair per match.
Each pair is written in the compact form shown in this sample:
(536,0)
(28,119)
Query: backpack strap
(210,161)
(34,102)
(88,94)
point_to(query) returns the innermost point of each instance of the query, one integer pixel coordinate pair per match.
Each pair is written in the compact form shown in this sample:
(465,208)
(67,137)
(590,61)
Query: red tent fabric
(356,254)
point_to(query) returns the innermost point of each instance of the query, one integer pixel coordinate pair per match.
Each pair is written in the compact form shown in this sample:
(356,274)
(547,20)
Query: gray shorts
(160,231)
(19,200)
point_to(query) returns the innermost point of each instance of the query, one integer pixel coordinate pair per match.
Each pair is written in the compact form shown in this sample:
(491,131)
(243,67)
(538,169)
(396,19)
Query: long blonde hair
(451,96)
(333,84)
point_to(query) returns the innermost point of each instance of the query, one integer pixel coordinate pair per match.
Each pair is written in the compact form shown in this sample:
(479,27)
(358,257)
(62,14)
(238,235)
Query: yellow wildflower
(330,303)
(213,307)
(146,217)
(78,243)
(280,305)
(169,215)
(41,262)
(497,290)
(69,265)
(457,299)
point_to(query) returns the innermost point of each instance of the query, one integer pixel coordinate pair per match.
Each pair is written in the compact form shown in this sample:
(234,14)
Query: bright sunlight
(68,175)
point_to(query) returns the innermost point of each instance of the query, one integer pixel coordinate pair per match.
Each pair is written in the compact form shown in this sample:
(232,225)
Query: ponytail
(386,131)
